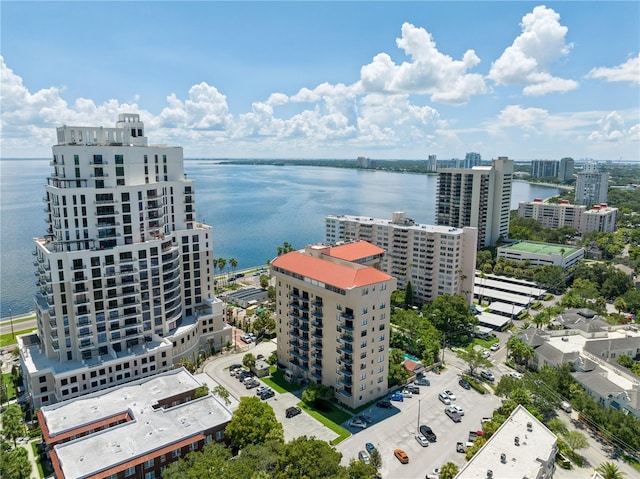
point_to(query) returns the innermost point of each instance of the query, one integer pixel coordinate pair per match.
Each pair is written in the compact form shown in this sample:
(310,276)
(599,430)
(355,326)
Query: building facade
(479,197)
(544,168)
(599,218)
(471,160)
(436,259)
(565,170)
(552,215)
(124,272)
(333,313)
(432,164)
(133,430)
(592,186)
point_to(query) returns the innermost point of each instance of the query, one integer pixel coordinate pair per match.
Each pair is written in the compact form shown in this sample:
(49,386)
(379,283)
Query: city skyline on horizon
(337,80)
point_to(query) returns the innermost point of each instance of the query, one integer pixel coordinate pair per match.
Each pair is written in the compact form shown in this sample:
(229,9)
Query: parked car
(358,423)
(444,399)
(485,353)
(423,441)
(262,388)
(370,447)
(401,456)
(260,356)
(246,338)
(292,411)
(406,393)
(364,457)
(488,375)
(251,384)
(460,447)
(453,414)
(427,432)
(458,409)
(362,417)
(422,382)
(494,347)
(396,397)
(464,383)
(413,389)
(565,406)
(450,394)
(267,394)
(384,404)
(515,374)
(235,366)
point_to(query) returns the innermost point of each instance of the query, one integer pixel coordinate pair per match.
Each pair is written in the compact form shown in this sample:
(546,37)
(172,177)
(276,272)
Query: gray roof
(597,381)
(555,356)
(602,348)
(534,337)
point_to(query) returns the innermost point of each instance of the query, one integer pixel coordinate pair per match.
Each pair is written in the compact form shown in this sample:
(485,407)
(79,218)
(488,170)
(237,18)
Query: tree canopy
(254,422)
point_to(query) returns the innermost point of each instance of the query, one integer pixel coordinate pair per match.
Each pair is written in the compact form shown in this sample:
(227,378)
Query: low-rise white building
(543,254)
(521,447)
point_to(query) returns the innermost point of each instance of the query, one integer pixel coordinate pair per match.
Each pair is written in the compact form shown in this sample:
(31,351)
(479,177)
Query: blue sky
(385,80)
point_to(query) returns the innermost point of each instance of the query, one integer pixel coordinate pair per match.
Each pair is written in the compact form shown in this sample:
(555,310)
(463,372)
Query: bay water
(253,209)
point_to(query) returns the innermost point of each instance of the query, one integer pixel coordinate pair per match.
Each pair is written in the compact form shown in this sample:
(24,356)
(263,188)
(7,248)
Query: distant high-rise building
(364,162)
(565,171)
(124,273)
(333,319)
(432,164)
(592,186)
(544,169)
(479,197)
(471,160)
(435,259)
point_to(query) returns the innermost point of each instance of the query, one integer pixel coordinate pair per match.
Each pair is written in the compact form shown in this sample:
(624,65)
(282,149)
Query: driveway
(300,425)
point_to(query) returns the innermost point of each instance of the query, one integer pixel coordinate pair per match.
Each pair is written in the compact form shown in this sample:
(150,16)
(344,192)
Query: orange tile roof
(324,271)
(355,251)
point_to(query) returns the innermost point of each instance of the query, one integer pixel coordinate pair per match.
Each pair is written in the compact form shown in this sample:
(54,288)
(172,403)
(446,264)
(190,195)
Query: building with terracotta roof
(132,430)
(435,259)
(333,313)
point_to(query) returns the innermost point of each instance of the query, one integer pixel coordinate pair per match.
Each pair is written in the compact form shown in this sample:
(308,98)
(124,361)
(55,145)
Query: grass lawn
(332,417)
(7,339)
(277,382)
(485,343)
(11,391)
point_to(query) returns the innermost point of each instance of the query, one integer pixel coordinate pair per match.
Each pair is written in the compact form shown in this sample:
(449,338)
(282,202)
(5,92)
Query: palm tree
(609,470)
(234,264)
(221,264)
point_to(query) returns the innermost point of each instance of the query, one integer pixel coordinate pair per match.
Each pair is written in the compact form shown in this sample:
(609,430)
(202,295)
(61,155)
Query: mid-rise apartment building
(471,160)
(479,197)
(599,218)
(436,259)
(592,186)
(552,215)
(333,313)
(565,171)
(544,168)
(124,272)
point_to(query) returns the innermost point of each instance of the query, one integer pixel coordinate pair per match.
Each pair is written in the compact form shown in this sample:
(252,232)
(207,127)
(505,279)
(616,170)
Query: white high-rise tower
(124,272)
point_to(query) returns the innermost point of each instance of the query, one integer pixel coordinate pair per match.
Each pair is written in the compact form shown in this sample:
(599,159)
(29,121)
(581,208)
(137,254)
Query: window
(130,471)
(150,475)
(148,464)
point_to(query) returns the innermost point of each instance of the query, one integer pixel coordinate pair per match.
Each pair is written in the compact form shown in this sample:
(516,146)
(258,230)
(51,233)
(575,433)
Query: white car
(494,347)
(406,393)
(485,353)
(450,394)
(458,409)
(515,374)
(423,441)
(444,398)
(358,423)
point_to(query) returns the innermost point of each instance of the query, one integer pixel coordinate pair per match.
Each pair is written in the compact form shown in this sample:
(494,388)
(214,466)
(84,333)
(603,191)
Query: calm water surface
(253,210)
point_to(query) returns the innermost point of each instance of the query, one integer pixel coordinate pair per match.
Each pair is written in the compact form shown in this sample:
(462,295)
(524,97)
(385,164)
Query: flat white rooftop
(536,446)
(150,429)
(501,295)
(385,222)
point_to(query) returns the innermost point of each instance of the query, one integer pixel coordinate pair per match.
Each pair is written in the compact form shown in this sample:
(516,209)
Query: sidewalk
(32,458)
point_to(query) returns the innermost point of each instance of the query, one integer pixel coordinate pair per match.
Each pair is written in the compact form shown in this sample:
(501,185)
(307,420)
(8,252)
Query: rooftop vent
(529,427)
(503,458)
(516,440)
(489,474)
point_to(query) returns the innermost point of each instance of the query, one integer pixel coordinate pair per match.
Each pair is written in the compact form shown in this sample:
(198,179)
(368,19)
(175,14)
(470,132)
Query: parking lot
(391,428)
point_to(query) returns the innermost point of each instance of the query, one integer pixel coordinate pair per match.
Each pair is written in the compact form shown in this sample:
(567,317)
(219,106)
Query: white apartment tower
(333,313)
(436,259)
(592,186)
(552,215)
(432,164)
(124,272)
(479,197)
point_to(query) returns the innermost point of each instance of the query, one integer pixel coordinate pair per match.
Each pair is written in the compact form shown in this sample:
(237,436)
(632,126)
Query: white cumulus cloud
(429,71)
(628,71)
(529,59)
(612,128)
